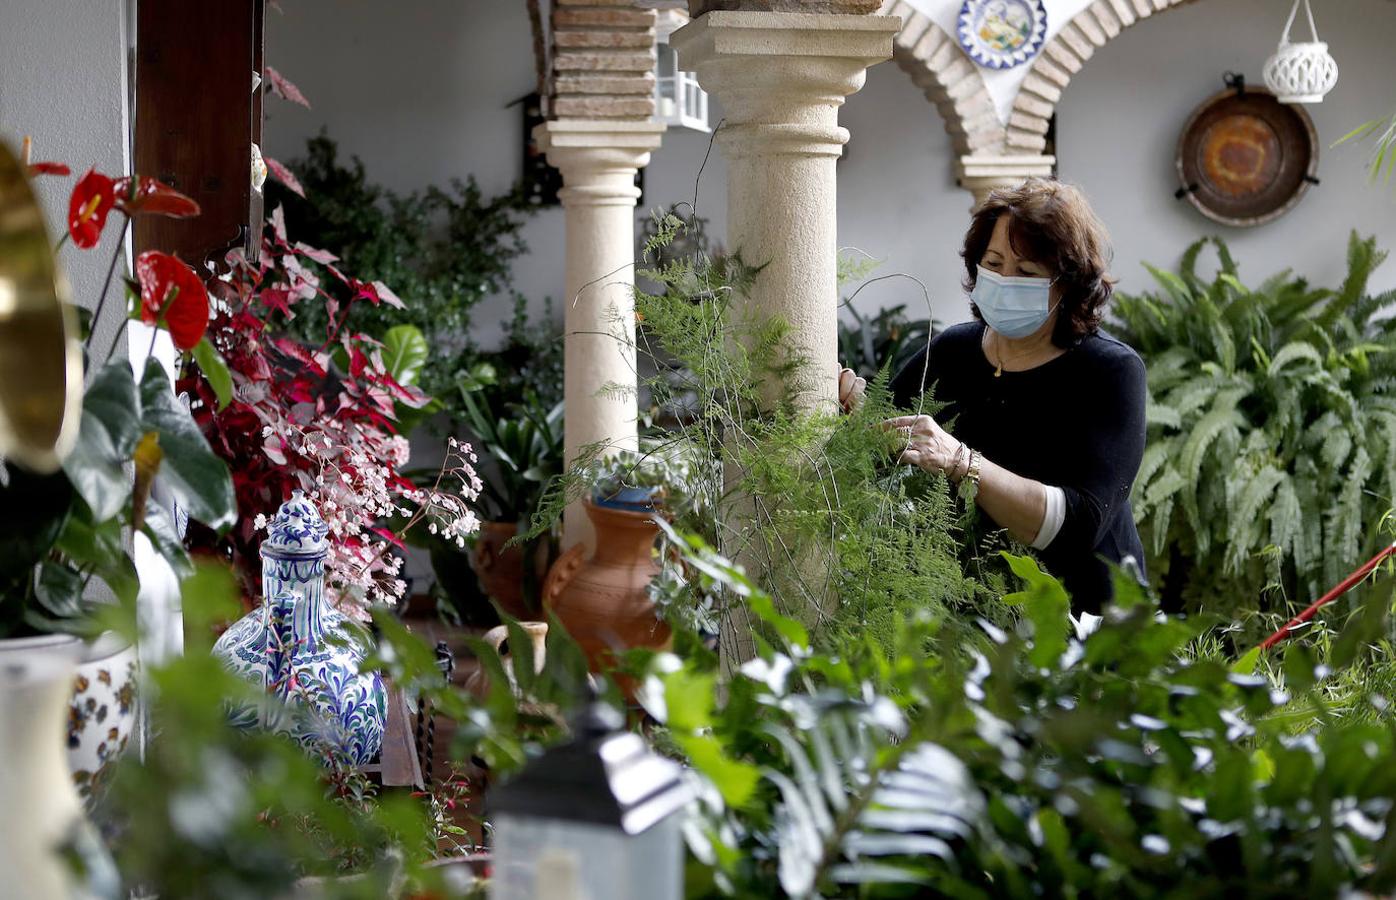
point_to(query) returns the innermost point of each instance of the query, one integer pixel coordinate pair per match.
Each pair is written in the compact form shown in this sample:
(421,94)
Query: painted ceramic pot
(102,712)
(43,823)
(603,601)
(298,647)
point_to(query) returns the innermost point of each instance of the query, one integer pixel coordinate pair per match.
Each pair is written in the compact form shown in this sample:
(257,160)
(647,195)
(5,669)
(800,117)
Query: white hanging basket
(1301,72)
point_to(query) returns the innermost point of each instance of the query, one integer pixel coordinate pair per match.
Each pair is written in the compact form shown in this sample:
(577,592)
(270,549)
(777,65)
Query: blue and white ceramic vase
(297,647)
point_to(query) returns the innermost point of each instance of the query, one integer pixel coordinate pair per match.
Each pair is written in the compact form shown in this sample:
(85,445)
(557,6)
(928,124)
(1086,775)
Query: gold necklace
(998,367)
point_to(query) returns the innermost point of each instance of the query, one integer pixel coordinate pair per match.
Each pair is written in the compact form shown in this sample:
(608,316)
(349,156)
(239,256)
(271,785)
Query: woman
(1045,411)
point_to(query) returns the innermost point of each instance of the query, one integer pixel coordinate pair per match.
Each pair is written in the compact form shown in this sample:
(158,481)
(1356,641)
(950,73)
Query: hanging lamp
(679,102)
(1301,72)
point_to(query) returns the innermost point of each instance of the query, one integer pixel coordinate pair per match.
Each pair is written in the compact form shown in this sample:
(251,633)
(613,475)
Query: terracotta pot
(501,569)
(602,601)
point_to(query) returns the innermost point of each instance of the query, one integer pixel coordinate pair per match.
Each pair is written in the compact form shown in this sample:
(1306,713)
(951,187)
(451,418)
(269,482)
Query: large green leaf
(215,371)
(96,468)
(198,479)
(115,402)
(1045,604)
(107,435)
(405,353)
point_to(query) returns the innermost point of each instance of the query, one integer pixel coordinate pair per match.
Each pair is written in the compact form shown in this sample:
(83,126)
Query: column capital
(781,76)
(981,173)
(598,158)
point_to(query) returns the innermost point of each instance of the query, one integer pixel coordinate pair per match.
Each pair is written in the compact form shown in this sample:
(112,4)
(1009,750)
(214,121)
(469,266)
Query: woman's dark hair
(1051,223)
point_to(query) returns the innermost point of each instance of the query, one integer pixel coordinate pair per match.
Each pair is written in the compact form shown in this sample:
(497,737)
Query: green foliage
(526,449)
(1272,429)
(62,531)
(211,811)
(809,500)
(1382,132)
(1038,763)
(887,340)
(441,251)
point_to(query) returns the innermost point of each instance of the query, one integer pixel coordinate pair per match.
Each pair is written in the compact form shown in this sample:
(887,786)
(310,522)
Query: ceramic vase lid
(297,530)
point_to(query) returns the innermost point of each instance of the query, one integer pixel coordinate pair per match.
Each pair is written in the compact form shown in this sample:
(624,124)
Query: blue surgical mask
(1013,306)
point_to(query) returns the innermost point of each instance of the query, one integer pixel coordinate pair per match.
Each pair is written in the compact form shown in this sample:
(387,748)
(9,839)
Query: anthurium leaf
(59,590)
(198,479)
(95,467)
(215,371)
(115,402)
(405,353)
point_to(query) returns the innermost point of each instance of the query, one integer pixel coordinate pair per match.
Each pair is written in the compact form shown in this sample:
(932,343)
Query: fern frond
(1246,513)
(1293,352)
(1155,455)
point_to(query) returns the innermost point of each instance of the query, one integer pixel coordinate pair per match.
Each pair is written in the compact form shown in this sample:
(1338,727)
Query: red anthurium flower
(172,291)
(48,168)
(93,197)
(141,194)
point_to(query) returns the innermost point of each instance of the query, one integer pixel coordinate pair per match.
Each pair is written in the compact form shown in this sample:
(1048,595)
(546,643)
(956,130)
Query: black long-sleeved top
(1076,422)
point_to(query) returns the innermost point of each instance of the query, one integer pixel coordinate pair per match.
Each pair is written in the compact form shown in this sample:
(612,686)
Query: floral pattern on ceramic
(298,648)
(101,713)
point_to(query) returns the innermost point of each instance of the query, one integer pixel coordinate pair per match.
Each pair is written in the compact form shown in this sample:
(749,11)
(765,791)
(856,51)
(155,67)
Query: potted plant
(78,506)
(527,452)
(604,599)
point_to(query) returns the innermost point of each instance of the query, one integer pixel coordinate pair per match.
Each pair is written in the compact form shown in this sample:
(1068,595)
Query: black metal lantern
(593,819)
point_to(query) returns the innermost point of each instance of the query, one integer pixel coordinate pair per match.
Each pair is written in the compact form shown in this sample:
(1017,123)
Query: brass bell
(40,354)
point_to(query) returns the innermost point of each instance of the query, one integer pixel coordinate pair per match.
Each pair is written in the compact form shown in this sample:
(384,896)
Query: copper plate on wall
(1245,158)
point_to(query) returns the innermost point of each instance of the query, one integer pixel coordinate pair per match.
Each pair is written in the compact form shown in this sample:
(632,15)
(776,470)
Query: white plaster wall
(420,90)
(897,197)
(1118,125)
(62,80)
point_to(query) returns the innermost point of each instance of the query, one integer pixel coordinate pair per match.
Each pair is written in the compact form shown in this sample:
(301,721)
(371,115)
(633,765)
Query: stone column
(781,78)
(598,160)
(981,173)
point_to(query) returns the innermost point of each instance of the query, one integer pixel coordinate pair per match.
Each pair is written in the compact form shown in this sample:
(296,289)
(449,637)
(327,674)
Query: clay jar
(537,633)
(501,569)
(602,601)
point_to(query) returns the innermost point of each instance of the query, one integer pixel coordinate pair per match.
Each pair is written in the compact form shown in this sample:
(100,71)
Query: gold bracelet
(972,473)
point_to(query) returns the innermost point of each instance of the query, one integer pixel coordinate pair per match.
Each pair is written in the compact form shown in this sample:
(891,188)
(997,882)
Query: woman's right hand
(851,390)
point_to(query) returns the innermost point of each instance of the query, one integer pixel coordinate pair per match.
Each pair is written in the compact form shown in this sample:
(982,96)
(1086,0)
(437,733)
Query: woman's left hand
(927,444)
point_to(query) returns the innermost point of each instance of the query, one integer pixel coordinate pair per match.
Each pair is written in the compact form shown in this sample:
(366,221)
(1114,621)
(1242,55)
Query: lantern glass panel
(535,857)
